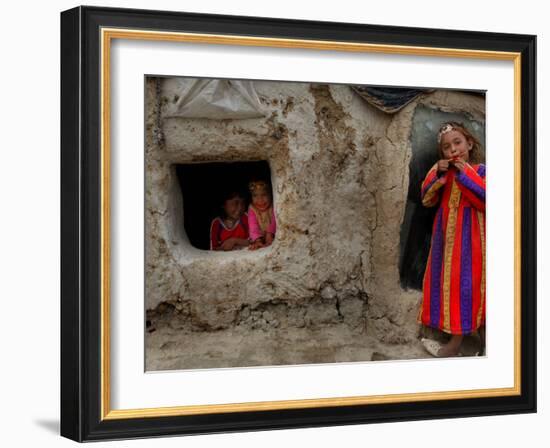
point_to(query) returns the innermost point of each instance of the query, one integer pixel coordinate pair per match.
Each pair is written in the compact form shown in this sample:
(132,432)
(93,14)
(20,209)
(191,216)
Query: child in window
(261,216)
(230,231)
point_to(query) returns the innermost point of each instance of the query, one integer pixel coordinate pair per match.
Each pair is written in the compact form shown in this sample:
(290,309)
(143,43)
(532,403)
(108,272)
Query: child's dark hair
(230,194)
(475,153)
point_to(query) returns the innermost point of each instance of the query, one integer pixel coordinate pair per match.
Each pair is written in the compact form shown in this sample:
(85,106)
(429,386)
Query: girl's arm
(241,242)
(253,226)
(431,186)
(273,224)
(214,232)
(244,220)
(472,185)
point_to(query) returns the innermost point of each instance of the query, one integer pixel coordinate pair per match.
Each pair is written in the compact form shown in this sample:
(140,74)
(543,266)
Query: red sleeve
(430,188)
(244,220)
(214,232)
(471,182)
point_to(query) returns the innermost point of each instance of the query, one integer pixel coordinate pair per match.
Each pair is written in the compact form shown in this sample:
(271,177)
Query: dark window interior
(204,186)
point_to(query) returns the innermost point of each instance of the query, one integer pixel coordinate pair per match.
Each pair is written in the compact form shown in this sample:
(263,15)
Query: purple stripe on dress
(437,263)
(481,170)
(471,185)
(466,272)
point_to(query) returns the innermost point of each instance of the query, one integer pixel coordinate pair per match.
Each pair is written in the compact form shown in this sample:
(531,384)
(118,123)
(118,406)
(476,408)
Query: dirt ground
(169,346)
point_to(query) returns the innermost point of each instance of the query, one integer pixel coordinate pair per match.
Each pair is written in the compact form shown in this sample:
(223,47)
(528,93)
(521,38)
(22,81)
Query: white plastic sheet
(216,99)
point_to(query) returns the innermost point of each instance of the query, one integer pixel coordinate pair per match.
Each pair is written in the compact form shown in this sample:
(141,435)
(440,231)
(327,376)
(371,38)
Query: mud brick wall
(340,177)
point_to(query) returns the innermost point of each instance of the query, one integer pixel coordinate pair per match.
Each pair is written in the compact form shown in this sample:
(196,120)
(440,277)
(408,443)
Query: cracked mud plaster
(339,170)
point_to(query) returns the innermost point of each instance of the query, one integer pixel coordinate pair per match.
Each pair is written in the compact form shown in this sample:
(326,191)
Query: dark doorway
(203,186)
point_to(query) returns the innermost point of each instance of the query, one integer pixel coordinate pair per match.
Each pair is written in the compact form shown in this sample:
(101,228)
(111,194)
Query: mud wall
(340,176)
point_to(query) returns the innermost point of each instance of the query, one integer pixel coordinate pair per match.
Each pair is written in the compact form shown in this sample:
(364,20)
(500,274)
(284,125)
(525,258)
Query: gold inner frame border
(107,35)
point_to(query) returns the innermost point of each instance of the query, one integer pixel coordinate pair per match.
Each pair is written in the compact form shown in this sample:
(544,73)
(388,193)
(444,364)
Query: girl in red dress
(230,231)
(454,280)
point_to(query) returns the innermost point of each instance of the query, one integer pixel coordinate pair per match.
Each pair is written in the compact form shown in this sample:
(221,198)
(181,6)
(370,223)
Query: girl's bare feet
(451,348)
(256,244)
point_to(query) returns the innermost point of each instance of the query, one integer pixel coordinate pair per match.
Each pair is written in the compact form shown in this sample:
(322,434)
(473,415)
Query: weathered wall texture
(340,179)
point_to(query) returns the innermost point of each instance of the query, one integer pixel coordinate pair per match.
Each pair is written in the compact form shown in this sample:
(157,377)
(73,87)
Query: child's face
(261,199)
(454,144)
(234,207)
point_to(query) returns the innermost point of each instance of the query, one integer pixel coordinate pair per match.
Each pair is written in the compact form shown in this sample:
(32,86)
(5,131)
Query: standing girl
(454,280)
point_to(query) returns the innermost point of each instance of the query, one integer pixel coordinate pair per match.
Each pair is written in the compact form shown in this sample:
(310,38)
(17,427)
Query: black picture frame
(81,288)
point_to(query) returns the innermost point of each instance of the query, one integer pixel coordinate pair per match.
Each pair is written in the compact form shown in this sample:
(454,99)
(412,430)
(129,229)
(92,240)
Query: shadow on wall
(416,230)
(203,186)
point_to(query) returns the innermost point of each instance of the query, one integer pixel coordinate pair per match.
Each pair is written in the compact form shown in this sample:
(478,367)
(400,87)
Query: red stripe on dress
(476,203)
(466,272)
(454,299)
(426,295)
(476,270)
(483,269)
(474,176)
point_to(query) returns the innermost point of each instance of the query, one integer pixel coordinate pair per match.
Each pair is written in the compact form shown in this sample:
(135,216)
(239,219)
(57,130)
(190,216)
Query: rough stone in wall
(340,177)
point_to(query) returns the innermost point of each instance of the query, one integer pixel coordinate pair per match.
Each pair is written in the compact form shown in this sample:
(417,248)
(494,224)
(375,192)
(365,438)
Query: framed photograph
(273,223)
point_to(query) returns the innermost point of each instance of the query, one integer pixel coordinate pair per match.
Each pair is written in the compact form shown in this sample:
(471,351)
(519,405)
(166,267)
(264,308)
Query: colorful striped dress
(454,280)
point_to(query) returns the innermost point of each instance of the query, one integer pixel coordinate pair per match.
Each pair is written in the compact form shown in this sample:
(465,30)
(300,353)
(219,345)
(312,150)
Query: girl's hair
(475,153)
(232,194)
(259,185)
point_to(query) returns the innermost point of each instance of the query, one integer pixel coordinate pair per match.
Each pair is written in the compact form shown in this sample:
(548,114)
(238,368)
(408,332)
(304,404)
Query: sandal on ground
(433,348)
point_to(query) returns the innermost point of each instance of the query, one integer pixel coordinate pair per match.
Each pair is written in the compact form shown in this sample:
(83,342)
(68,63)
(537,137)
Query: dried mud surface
(328,289)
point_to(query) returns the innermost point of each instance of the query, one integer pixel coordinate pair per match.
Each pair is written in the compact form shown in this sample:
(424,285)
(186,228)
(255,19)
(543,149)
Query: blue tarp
(389,99)
(393,99)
